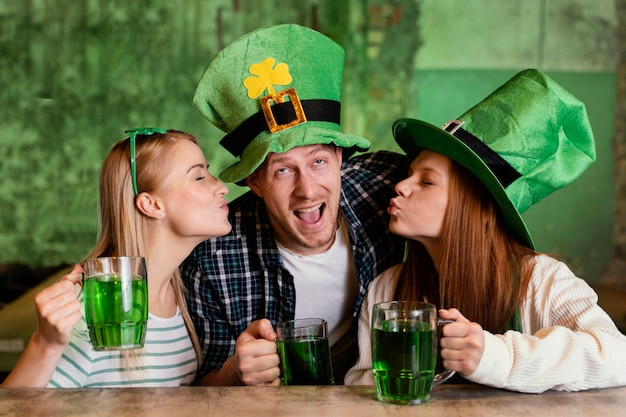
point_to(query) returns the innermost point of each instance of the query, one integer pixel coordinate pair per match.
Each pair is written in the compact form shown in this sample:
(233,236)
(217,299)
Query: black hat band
(315,110)
(503,171)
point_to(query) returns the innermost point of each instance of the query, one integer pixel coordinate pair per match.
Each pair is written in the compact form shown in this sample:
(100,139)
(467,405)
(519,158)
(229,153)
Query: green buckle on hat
(268,101)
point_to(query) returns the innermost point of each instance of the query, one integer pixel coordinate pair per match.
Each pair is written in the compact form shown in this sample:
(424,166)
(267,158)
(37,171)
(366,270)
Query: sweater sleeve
(380,290)
(568,342)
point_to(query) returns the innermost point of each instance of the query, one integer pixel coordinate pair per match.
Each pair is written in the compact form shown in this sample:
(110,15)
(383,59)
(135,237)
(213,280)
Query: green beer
(404,356)
(116,311)
(305,361)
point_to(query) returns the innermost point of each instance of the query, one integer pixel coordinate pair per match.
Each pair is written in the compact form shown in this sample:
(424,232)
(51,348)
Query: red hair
(484,271)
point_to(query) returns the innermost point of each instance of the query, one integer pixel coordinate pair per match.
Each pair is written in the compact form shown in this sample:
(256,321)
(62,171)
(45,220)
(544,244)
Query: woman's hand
(462,344)
(58,310)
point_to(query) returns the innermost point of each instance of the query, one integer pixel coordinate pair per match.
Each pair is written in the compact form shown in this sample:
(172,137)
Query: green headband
(144,131)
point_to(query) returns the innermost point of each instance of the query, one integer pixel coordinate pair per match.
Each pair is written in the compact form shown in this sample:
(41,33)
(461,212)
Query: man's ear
(253,183)
(339,153)
(150,206)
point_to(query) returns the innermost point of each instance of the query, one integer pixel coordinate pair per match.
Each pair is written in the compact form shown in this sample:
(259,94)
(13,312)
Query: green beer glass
(116,301)
(304,352)
(404,351)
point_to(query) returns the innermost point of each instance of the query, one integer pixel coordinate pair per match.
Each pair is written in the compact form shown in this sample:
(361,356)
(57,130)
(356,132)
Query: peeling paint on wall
(76,74)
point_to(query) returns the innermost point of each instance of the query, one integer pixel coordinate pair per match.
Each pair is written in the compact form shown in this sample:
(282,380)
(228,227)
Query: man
(312,232)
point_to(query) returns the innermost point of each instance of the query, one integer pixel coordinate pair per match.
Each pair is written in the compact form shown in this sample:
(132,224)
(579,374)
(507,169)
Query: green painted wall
(76,73)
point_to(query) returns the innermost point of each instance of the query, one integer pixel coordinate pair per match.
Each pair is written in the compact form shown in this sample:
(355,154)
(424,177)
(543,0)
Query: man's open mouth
(310,215)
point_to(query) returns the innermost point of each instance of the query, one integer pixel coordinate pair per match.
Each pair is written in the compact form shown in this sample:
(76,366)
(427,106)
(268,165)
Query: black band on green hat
(315,110)
(503,171)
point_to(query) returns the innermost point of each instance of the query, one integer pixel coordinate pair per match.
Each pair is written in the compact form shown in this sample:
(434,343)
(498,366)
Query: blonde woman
(156,195)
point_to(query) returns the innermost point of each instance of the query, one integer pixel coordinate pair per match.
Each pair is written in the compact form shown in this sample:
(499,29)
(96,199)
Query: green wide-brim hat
(527,139)
(274,89)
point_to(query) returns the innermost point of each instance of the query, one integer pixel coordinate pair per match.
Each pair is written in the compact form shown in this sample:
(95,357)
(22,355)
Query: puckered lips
(393,207)
(310,215)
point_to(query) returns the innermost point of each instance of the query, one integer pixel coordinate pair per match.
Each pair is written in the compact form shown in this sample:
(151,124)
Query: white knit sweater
(568,342)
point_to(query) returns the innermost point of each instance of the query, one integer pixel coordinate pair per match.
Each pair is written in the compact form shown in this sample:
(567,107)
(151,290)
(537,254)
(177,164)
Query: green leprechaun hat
(527,139)
(271,90)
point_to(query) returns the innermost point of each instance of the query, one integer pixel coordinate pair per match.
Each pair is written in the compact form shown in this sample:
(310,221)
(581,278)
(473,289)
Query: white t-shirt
(326,284)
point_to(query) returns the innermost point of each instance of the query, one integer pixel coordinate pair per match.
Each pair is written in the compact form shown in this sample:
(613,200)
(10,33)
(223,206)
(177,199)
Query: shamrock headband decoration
(143,131)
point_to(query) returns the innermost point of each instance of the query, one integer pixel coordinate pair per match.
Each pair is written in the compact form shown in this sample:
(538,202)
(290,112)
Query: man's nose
(306,186)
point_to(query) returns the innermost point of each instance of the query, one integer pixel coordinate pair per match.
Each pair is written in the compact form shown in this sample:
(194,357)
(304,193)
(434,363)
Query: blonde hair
(123,229)
(483,272)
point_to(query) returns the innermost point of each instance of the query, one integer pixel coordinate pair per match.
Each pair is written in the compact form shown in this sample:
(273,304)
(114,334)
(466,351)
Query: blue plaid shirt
(238,278)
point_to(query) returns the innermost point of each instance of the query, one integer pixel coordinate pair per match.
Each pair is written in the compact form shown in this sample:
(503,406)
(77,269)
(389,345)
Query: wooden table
(341,401)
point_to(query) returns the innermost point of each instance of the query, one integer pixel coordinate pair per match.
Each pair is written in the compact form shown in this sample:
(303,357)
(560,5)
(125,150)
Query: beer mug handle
(446,374)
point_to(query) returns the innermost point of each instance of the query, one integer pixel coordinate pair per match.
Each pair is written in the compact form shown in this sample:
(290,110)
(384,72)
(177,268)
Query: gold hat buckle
(268,101)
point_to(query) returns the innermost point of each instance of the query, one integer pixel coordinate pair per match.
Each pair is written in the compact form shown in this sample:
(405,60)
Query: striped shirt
(166,360)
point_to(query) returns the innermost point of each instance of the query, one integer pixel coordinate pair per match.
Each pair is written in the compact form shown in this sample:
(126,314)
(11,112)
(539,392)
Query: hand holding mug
(462,344)
(58,310)
(256,359)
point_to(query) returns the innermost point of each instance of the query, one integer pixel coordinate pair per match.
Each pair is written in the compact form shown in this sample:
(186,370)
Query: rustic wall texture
(77,73)
(616,272)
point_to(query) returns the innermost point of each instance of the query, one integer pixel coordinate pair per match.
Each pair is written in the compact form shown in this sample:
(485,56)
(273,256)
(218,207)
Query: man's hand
(256,360)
